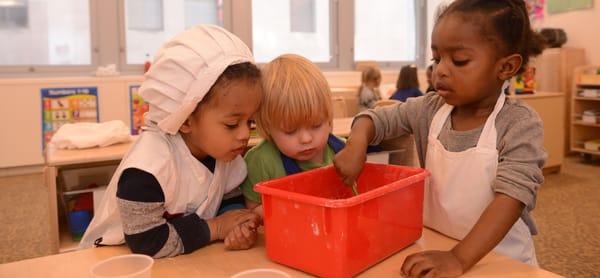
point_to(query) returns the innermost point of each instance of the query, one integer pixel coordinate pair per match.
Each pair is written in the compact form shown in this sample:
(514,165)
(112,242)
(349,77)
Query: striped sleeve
(147,226)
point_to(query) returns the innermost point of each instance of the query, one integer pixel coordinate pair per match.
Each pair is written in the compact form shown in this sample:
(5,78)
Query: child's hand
(432,264)
(350,160)
(242,236)
(259,210)
(349,163)
(221,225)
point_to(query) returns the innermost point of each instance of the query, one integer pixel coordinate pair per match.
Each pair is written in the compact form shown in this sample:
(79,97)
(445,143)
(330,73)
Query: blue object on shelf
(78,222)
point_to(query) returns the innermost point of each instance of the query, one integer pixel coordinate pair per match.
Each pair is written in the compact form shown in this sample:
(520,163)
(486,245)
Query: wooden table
(215,261)
(59,160)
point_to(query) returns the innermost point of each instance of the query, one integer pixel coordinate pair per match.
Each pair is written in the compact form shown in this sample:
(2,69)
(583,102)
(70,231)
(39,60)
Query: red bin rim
(264,188)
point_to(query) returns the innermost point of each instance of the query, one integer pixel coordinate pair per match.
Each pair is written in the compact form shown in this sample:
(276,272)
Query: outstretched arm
(493,224)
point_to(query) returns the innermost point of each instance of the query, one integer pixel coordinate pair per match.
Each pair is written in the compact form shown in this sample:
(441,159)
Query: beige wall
(581,28)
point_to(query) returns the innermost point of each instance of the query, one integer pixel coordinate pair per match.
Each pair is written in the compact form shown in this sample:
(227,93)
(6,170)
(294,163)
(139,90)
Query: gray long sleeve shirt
(521,155)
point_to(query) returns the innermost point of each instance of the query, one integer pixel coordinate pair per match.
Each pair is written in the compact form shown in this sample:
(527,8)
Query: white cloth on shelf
(88,135)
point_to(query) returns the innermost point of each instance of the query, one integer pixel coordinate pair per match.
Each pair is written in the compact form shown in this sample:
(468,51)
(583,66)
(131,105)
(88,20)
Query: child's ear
(186,127)
(509,66)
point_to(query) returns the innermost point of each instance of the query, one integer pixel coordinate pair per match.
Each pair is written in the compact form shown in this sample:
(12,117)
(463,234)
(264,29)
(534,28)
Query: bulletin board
(137,108)
(67,105)
(559,6)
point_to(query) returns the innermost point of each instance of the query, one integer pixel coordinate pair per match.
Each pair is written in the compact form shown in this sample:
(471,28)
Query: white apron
(188,186)
(459,188)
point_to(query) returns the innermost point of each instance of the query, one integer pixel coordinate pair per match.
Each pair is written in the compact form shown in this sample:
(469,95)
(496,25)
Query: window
(66,37)
(45,32)
(291,26)
(156,21)
(13,14)
(203,11)
(302,16)
(144,15)
(385,30)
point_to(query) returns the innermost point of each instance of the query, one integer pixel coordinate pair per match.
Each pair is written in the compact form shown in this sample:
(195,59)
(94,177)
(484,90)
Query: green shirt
(264,163)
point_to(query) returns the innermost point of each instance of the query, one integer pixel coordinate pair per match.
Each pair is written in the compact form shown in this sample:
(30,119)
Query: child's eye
(289,132)
(231,126)
(317,126)
(460,63)
(435,60)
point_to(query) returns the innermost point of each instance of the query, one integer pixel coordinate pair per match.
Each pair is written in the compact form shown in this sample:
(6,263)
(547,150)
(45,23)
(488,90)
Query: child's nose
(305,136)
(440,70)
(243,133)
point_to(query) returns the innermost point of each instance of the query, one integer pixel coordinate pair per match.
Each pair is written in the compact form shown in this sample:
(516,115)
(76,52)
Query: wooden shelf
(537,95)
(73,192)
(580,131)
(582,123)
(588,98)
(589,80)
(593,85)
(582,150)
(67,243)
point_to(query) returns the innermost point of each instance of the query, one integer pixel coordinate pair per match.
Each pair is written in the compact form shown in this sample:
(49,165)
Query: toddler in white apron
(484,152)
(203,90)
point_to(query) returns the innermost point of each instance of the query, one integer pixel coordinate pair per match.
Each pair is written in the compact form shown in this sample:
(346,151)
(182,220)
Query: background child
(368,92)
(407,85)
(164,196)
(484,151)
(295,119)
(429,75)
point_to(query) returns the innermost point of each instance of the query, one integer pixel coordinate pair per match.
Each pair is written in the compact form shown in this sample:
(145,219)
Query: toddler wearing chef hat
(164,198)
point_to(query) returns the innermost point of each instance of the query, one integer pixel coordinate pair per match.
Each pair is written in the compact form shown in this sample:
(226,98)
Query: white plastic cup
(130,266)
(261,273)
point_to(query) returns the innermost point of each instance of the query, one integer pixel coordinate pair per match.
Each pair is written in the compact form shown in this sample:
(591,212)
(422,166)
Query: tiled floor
(567,213)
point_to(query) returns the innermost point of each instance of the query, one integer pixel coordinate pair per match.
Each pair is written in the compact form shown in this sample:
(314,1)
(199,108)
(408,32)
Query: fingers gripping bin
(314,223)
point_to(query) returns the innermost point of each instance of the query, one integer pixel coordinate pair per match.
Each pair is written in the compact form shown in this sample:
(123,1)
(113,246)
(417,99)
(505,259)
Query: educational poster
(67,105)
(137,109)
(536,9)
(559,6)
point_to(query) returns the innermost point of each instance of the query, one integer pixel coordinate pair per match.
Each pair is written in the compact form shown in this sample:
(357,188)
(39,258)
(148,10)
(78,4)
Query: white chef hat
(184,69)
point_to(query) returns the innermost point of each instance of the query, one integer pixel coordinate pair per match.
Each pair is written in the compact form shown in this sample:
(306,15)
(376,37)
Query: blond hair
(369,74)
(296,94)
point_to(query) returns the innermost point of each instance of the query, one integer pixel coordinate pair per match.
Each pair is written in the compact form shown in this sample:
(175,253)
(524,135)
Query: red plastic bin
(314,223)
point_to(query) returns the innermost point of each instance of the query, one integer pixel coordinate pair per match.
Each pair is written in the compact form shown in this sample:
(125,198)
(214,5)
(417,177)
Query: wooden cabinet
(584,129)
(65,168)
(554,73)
(550,106)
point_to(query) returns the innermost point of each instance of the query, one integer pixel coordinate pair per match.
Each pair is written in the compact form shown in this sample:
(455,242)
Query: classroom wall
(21,117)
(581,28)
(21,112)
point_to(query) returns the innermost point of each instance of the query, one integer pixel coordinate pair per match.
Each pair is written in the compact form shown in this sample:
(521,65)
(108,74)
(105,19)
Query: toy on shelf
(524,83)
(592,145)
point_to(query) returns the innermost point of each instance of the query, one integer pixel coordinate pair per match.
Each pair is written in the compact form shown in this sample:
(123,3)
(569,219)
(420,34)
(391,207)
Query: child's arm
(494,223)
(518,177)
(148,231)
(350,160)
(373,126)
